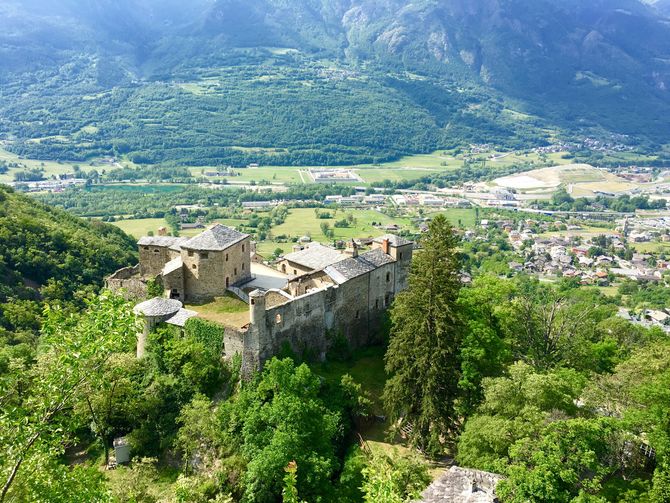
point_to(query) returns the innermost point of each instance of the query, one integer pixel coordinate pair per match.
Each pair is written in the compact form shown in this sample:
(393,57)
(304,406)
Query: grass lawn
(226,310)
(141,226)
(466,216)
(652,247)
(585,231)
(303,221)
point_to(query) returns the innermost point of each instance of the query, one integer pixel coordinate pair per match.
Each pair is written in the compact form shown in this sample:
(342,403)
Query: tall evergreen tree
(422,358)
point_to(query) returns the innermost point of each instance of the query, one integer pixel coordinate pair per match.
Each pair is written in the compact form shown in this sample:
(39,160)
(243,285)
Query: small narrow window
(190,253)
(242,248)
(243,267)
(295,273)
(227,282)
(358,314)
(235,271)
(388,277)
(376,303)
(145,247)
(204,255)
(283,268)
(156,250)
(400,255)
(226,257)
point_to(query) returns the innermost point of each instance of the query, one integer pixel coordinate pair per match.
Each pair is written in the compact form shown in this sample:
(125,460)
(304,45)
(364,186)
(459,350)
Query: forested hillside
(48,255)
(326,81)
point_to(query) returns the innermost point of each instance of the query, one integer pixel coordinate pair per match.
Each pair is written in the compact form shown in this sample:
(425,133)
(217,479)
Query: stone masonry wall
(153,259)
(205,273)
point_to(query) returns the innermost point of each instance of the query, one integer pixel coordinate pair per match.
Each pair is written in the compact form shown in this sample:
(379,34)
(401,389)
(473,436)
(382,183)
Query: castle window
(226,257)
(145,247)
(235,271)
(157,250)
(243,267)
(283,268)
(400,255)
(194,266)
(278,319)
(376,303)
(242,248)
(388,277)
(204,255)
(295,273)
(387,300)
(358,314)
(227,282)
(190,253)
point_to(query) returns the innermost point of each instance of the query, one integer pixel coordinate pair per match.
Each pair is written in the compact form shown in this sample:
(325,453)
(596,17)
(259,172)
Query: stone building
(344,298)
(194,269)
(314,296)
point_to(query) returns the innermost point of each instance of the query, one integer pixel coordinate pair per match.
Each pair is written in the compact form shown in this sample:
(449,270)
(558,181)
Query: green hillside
(48,255)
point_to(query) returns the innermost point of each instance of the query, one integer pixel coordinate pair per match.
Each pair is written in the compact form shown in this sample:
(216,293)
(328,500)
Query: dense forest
(48,256)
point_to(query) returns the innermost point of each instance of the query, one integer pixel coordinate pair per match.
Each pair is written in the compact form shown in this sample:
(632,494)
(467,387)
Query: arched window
(227,282)
(388,277)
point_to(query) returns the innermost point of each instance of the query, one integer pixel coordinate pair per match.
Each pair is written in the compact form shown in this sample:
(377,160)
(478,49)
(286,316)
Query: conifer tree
(422,359)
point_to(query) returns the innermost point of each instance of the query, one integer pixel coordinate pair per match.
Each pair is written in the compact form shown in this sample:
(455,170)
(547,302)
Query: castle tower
(153,311)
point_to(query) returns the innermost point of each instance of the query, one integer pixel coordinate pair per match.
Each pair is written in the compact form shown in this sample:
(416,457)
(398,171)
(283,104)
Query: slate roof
(172,266)
(393,240)
(162,241)
(181,317)
(316,256)
(216,238)
(354,267)
(158,307)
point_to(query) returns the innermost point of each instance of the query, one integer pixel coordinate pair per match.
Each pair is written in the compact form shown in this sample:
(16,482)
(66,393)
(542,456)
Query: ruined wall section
(128,283)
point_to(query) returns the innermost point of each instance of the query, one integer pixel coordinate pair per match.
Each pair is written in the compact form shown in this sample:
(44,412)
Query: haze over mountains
(464,70)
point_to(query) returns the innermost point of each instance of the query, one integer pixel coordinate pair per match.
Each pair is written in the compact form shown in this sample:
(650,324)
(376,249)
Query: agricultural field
(142,226)
(651,247)
(304,222)
(580,180)
(51,168)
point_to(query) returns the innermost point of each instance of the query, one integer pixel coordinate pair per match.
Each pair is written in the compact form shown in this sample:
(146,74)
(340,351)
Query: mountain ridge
(596,68)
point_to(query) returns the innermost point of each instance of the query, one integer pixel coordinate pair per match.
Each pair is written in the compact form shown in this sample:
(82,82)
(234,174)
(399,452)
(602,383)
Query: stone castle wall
(128,283)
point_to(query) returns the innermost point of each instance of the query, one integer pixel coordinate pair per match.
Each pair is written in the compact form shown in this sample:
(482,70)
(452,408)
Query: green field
(303,222)
(652,247)
(50,167)
(141,226)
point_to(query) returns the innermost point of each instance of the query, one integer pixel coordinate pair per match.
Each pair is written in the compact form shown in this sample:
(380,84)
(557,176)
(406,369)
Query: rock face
(462,485)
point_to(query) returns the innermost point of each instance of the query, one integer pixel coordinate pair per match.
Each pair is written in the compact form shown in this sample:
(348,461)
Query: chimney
(385,245)
(354,246)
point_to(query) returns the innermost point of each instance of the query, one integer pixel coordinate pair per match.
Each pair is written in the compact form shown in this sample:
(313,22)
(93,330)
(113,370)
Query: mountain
(326,81)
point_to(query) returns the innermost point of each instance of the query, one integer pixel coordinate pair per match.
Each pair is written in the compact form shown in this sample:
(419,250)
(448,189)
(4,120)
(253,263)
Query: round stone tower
(154,311)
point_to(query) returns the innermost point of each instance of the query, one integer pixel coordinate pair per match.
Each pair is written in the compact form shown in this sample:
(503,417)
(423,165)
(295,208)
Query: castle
(314,295)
